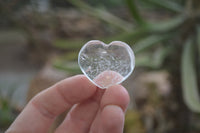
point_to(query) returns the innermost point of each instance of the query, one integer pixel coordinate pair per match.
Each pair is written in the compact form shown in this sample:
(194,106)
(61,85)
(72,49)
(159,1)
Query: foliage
(156,43)
(7,114)
(133,122)
(163,37)
(189,78)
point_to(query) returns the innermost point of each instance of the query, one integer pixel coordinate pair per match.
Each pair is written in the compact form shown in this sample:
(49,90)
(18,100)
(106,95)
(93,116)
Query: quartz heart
(106,64)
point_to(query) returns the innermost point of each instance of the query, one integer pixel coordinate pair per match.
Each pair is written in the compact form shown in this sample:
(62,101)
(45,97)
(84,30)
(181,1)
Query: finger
(112,119)
(43,108)
(81,115)
(116,96)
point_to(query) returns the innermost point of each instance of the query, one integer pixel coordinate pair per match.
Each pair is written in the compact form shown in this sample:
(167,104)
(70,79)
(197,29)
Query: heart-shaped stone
(106,64)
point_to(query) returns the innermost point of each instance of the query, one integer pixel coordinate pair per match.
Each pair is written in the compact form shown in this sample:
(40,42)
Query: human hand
(93,110)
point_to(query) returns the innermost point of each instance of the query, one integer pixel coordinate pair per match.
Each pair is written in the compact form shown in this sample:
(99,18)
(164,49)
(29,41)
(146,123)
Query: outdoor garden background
(40,41)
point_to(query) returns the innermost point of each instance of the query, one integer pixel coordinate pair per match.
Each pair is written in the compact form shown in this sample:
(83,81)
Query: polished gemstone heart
(106,64)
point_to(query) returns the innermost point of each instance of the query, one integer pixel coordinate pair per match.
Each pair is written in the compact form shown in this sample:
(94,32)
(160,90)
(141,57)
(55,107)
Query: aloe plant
(180,31)
(189,77)
(183,27)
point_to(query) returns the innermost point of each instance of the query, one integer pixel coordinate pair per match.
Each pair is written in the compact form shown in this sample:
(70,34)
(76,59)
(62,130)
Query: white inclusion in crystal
(106,65)
(89,68)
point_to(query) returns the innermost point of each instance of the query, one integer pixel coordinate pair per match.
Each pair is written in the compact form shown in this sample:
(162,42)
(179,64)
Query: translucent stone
(106,64)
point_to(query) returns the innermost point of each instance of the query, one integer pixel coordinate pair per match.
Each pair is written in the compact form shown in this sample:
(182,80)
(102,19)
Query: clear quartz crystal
(106,64)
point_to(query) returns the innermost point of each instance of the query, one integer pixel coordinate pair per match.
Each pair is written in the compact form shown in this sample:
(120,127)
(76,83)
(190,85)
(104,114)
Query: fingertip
(116,95)
(112,119)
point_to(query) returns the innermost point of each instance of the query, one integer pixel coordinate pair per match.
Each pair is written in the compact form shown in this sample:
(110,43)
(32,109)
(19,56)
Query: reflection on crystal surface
(97,58)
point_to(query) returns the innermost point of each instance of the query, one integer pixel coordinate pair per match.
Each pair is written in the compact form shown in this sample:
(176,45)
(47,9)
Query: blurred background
(40,41)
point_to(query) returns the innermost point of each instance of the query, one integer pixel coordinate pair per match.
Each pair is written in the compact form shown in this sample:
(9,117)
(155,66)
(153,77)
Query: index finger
(40,112)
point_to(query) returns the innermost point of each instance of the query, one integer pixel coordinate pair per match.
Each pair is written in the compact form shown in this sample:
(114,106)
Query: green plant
(176,38)
(182,33)
(7,110)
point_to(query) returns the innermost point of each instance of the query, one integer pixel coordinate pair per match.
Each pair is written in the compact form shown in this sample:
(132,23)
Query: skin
(93,110)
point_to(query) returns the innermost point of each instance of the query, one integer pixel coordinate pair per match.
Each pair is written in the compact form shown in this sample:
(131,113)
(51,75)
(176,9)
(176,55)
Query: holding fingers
(93,109)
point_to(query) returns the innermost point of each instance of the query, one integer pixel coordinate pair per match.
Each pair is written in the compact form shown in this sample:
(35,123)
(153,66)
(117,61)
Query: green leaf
(159,27)
(198,41)
(167,25)
(128,37)
(146,60)
(67,63)
(166,4)
(154,59)
(189,78)
(149,42)
(103,15)
(70,67)
(6,118)
(134,11)
(66,44)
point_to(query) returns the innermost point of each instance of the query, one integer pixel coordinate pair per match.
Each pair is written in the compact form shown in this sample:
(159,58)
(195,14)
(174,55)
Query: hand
(93,110)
